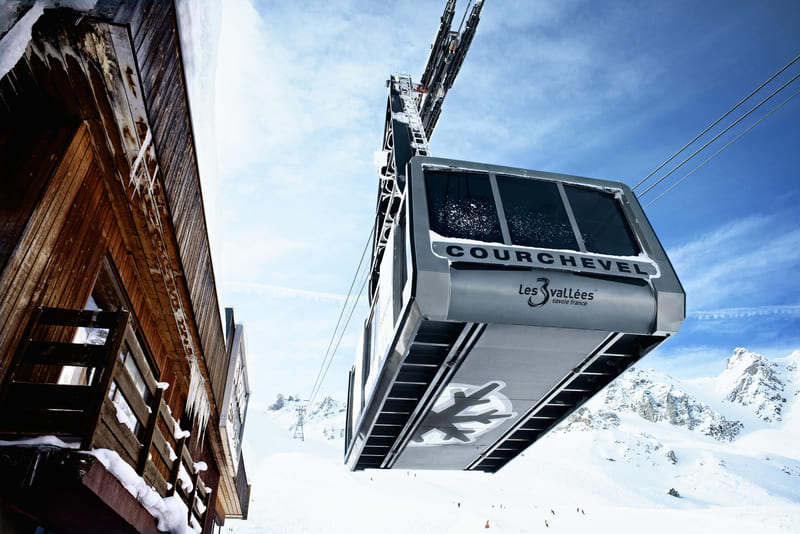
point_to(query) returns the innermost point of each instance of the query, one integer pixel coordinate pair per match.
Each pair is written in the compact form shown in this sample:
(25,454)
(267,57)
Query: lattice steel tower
(298,428)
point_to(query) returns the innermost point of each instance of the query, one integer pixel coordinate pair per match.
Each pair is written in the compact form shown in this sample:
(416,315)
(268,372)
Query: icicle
(197,402)
(135,179)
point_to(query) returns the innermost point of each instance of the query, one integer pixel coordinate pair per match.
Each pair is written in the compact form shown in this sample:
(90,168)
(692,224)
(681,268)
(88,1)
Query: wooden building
(110,330)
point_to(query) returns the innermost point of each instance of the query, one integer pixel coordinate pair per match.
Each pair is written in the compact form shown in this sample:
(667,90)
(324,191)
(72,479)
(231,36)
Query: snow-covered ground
(726,445)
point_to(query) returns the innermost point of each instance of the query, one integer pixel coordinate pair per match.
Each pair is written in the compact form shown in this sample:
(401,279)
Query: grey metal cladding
(617,277)
(550,298)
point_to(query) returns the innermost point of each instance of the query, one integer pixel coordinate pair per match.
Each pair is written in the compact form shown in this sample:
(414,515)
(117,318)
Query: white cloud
(742,313)
(742,262)
(531,89)
(293,84)
(278,292)
(688,361)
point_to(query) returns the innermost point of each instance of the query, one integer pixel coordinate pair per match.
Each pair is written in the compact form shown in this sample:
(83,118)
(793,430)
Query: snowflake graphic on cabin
(463,413)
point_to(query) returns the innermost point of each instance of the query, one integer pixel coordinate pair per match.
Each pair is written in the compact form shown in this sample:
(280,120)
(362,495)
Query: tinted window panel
(535,213)
(461,205)
(601,221)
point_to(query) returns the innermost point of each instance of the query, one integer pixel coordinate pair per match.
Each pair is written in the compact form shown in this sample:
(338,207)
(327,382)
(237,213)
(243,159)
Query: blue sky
(601,89)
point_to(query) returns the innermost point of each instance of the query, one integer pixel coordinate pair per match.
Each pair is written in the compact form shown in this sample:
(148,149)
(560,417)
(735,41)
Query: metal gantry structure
(412,111)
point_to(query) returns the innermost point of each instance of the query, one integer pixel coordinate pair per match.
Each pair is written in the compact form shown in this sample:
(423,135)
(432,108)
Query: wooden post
(192,496)
(11,371)
(19,355)
(176,468)
(155,411)
(115,336)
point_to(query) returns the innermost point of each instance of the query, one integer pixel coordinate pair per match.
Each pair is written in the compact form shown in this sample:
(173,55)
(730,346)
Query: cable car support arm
(412,111)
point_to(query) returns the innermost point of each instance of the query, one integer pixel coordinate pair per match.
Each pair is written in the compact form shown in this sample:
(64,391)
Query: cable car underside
(472,396)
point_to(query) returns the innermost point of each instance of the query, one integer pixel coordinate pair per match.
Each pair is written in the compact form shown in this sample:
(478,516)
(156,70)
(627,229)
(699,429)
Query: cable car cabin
(506,299)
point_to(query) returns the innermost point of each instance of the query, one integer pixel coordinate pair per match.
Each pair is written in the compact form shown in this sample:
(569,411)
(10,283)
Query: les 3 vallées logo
(540,294)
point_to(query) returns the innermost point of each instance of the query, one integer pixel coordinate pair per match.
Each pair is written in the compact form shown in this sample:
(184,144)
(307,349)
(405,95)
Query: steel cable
(698,136)
(737,121)
(323,368)
(776,108)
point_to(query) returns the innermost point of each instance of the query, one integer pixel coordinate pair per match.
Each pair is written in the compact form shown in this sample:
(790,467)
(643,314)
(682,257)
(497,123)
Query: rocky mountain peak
(752,380)
(656,398)
(327,407)
(281,402)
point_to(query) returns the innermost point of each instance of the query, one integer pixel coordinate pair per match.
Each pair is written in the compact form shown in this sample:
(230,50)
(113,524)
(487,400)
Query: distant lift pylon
(501,299)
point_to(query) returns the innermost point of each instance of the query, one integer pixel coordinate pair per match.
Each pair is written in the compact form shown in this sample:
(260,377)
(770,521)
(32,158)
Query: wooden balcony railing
(113,401)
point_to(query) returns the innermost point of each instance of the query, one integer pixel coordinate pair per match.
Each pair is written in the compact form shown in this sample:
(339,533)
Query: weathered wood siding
(56,236)
(153,26)
(24,177)
(30,277)
(71,203)
(153,30)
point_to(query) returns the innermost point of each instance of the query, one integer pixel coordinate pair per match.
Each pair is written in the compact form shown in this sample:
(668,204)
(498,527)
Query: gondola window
(461,205)
(602,224)
(535,214)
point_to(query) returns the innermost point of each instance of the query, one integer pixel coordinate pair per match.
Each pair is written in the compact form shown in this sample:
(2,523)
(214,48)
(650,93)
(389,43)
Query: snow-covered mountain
(324,419)
(752,380)
(654,397)
(707,455)
(749,380)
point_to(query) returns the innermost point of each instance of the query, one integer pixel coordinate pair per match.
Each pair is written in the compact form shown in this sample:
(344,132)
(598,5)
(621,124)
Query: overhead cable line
(737,121)
(698,136)
(321,372)
(341,335)
(776,108)
(328,354)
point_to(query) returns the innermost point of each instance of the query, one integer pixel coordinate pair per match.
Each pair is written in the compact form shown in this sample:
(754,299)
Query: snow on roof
(199,26)
(15,42)
(50,441)
(170,513)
